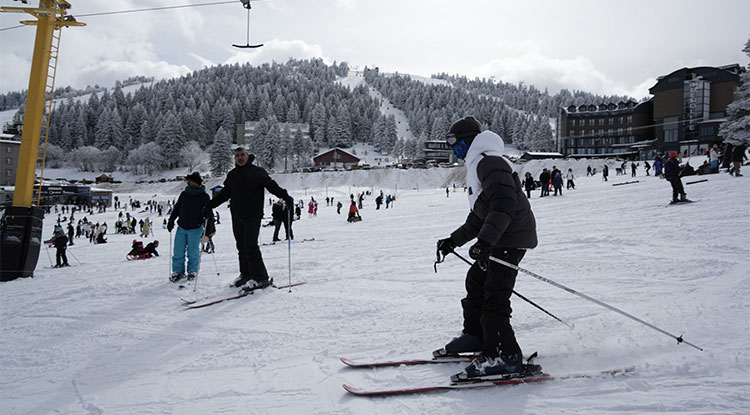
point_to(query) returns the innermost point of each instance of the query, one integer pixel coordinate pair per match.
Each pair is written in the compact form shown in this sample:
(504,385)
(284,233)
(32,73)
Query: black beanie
(195,177)
(465,128)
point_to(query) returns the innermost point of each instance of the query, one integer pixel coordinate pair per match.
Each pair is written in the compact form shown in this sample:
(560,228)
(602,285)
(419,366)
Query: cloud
(579,73)
(15,72)
(277,51)
(104,72)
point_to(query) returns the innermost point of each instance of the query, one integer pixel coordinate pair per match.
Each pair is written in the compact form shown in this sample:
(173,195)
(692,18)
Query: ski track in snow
(109,336)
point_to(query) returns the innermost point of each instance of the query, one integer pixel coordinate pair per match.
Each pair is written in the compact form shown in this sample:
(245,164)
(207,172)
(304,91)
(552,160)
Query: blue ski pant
(187,240)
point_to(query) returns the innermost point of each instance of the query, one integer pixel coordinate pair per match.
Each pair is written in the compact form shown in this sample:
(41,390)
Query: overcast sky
(605,47)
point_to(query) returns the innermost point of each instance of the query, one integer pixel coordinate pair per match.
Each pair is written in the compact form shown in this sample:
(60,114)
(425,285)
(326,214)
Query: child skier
(192,209)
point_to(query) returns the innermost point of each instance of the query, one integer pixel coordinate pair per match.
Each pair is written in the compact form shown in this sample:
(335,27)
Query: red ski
(481,383)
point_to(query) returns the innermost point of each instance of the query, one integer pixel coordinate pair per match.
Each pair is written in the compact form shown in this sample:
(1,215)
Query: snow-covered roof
(335,148)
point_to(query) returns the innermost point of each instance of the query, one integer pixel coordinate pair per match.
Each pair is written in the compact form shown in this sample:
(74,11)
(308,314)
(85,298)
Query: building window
(708,131)
(9,160)
(572,133)
(630,118)
(8,172)
(670,135)
(572,123)
(591,123)
(611,120)
(610,131)
(601,122)
(9,149)
(622,119)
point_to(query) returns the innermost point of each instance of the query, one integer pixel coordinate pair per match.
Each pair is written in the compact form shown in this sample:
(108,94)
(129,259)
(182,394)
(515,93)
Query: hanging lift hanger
(246,4)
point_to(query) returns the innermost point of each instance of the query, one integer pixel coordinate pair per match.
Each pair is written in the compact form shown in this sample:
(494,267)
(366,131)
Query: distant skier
(61,244)
(544,182)
(557,180)
(570,179)
(658,165)
(501,220)
(672,174)
(338,207)
(192,209)
(605,172)
(528,184)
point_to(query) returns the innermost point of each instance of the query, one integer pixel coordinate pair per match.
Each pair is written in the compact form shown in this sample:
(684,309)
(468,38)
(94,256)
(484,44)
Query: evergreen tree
(171,138)
(268,153)
(318,124)
(390,134)
(736,129)
(220,153)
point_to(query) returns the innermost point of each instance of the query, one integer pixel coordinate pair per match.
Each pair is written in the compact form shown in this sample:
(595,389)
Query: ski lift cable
(147,10)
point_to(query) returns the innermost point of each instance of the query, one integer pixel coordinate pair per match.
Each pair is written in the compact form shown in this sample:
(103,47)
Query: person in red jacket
(353,213)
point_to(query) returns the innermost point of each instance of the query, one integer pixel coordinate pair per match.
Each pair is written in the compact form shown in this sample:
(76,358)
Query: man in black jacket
(502,222)
(245,186)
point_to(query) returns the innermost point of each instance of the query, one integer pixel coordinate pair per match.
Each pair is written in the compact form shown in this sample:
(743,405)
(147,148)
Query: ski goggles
(451,139)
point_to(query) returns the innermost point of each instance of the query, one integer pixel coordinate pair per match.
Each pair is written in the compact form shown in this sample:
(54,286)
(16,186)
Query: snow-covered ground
(109,336)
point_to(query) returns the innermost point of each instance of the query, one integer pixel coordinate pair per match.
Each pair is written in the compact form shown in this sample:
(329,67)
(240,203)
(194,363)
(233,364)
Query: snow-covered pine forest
(143,126)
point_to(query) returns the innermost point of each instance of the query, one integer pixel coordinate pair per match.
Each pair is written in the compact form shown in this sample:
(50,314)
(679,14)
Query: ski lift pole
(520,296)
(593,300)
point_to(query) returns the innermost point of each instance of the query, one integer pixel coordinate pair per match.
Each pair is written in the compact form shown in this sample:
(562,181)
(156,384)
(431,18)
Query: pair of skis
(530,374)
(192,304)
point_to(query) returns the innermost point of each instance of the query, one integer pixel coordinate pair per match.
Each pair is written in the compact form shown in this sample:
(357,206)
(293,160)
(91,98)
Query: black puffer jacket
(191,207)
(245,186)
(502,214)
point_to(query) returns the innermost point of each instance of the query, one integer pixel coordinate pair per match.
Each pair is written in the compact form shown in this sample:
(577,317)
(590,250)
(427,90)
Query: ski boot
(176,276)
(465,343)
(253,285)
(487,367)
(240,281)
(191,275)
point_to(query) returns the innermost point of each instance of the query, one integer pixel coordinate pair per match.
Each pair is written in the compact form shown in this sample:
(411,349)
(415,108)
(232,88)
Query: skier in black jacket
(502,222)
(672,174)
(61,244)
(245,186)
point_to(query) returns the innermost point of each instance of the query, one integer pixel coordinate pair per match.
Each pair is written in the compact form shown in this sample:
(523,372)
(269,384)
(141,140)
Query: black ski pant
(277,226)
(487,304)
(677,188)
(61,258)
(246,232)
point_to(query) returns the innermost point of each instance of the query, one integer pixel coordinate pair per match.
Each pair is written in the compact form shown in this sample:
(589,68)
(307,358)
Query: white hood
(485,143)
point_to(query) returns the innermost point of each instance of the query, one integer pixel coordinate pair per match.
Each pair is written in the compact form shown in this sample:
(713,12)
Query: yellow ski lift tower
(21,226)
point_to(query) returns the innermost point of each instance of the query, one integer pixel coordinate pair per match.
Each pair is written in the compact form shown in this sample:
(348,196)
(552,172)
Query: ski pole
(289,245)
(520,296)
(593,300)
(76,258)
(170,253)
(46,249)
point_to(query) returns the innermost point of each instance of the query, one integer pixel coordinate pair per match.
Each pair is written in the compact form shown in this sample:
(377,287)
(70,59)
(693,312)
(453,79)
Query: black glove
(480,252)
(170,225)
(446,246)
